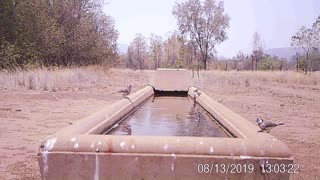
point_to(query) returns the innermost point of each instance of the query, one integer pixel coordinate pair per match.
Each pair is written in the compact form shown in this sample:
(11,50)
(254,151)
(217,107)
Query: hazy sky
(275,20)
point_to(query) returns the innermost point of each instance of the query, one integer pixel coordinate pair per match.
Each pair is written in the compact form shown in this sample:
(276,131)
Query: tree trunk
(306,65)
(205,59)
(256,63)
(205,64)
(297,62)
(252,67)
(226,65)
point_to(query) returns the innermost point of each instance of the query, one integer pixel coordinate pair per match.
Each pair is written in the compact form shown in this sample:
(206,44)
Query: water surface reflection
(169,116)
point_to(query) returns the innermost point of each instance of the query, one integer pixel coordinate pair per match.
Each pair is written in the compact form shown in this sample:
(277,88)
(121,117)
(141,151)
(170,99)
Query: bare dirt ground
(28,116)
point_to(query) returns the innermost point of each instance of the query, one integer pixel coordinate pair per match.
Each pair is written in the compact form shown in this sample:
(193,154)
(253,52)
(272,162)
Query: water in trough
(169,116)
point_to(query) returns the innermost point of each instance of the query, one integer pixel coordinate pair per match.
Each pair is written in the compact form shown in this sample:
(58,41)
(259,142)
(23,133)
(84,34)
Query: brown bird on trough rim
(125,91)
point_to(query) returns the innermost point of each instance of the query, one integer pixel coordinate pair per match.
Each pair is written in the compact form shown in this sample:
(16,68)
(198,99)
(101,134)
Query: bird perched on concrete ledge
(125,91)
(197,91)
(266,126)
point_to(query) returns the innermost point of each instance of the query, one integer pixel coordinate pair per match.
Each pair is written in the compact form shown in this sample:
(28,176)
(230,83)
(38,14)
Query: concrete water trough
(167,130)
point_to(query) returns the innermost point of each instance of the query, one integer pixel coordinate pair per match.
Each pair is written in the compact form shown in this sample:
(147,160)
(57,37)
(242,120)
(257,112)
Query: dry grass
(65,78)
(248,78)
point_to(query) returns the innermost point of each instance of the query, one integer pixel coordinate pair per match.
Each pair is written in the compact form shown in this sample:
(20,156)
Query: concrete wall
(123,157)
(109,115)
(79,152)
(171,80)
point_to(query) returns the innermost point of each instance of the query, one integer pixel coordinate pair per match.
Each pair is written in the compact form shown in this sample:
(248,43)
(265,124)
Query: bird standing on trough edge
(266,126)
(125,91)
(197,91)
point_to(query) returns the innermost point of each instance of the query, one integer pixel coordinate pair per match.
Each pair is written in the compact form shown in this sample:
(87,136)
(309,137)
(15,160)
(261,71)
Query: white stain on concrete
(45,164)
(73,139)
(165,147)
(211,149)
(49,144)
(115,126)
(76,145)
(96,171)
(122,144)
(174,156)
(246,157)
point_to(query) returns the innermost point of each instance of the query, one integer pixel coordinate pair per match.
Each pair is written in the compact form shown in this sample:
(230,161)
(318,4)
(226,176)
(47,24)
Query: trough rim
(87,140)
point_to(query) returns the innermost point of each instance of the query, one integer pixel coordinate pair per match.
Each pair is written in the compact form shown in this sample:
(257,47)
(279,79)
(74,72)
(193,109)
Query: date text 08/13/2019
(247,168)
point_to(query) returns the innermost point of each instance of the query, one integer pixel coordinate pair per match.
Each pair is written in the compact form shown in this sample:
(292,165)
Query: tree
(138,50)
(89,35)
(156,49)
(309,40)
(55,33)
(129,60)
(257,53)
(7,21)
(304,39)
(270,63)
(257,43)
(316,30)
(172,48)
(190,53)
(240,57)
(204,22)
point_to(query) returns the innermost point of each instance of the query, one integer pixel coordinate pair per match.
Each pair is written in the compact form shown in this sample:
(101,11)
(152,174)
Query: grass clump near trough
(66,78)
(248,78)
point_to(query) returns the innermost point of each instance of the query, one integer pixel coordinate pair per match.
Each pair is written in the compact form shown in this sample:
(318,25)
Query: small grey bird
(266,126)
(125,91)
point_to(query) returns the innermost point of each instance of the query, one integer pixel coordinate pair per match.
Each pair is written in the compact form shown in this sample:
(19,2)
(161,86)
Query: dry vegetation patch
(247,78)
(56,79)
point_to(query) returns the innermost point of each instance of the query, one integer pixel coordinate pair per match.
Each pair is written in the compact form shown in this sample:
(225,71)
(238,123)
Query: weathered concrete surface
(143,157)
(106,166)
(109,115)
(171,80)
(260,146)
(78,152)
(231,120)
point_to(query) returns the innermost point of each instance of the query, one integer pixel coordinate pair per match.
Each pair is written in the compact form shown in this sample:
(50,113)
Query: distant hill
(123,48)
(286,52)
